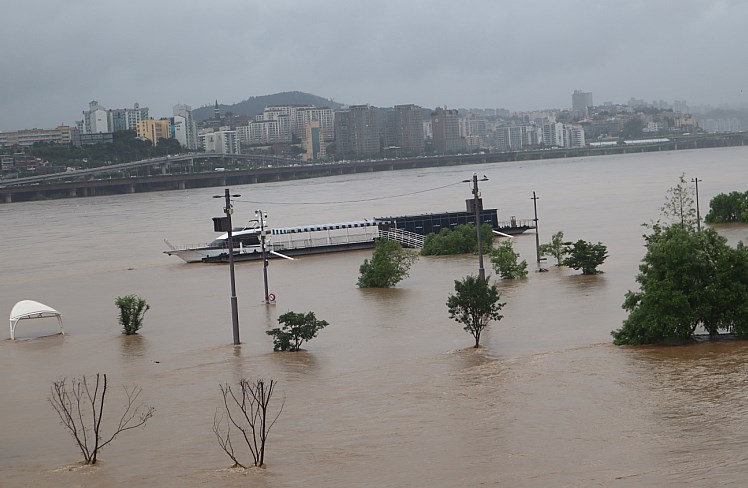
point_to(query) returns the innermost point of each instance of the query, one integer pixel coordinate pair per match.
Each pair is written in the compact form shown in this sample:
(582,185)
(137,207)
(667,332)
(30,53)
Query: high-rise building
(356,131)
(95,119)
(574,136)
(314,141)
(581,102)
(185,128)
(553,134)
(126,118)
(154,130)
(408,130)
(445,127)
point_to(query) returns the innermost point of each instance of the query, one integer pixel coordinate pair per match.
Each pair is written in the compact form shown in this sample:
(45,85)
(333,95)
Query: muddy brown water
(390,393)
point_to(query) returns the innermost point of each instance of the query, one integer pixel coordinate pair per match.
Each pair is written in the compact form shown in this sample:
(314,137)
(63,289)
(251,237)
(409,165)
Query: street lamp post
(228,210)
(262,217)
(698,213)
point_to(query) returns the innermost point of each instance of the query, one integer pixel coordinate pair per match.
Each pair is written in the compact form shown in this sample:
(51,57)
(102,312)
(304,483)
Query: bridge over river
(196,170)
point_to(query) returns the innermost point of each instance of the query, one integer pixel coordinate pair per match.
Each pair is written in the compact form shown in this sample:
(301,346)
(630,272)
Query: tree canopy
(687,279)
(389,265)
(730,207)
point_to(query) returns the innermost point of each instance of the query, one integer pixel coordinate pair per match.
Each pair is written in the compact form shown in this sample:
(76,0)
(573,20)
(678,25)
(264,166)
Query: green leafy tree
(474,304)
(732,207)
(555,247)
(505,262)
(296,329)
(389,265)
(132,308)
(687,279)
(463,239)
(585,256)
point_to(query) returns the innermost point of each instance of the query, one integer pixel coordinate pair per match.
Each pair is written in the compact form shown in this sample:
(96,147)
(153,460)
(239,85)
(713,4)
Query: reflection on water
(390,393)
(133,346)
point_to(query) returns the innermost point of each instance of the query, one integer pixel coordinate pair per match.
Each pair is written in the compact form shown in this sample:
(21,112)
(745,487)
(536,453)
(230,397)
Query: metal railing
(404,237)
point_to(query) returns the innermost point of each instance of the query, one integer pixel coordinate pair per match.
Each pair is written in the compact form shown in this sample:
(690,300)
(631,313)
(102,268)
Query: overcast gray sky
(57,56)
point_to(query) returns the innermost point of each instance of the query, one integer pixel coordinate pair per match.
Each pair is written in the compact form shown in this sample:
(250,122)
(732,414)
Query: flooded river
(390,394)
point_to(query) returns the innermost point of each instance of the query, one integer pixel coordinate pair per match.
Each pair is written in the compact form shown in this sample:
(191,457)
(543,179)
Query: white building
(221,142)
(95,119)
(185,128)
(553,134)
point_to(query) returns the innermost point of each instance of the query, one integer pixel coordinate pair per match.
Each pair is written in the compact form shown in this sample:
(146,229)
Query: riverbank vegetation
(690,279)
(460,240)
(728,207)
(506,262)
(389,265)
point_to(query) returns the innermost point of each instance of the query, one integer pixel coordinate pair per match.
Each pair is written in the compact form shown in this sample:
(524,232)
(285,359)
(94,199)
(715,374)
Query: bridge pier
(181,185)
(8,198)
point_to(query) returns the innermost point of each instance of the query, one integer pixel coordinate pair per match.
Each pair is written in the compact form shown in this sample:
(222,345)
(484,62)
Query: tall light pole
(228,210)
(537,234)
(476,211)
(264,253)
(698,213)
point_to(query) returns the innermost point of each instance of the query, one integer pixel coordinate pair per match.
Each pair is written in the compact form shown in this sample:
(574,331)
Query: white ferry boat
(245,241)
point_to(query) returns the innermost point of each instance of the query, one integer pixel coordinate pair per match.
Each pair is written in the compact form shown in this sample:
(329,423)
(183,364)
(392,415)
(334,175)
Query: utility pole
(537,233)
(698,213)
(264,254)
(476,211)
(228,210)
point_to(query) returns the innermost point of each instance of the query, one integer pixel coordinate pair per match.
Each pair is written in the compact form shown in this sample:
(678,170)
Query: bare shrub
(246,409)
(80,406)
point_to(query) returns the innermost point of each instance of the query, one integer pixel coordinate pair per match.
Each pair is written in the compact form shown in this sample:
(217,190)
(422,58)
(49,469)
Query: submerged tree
(463,239)
(474,304)
(389,265)
(80,406)
(555,247)
(132,309)
(246,408)
(505,262)
(585,256)
(296,329)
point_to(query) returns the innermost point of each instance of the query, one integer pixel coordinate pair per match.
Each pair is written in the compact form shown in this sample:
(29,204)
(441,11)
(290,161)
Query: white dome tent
(29,309)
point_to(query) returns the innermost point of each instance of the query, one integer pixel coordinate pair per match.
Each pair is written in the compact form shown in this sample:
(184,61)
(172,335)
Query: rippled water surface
(390,393)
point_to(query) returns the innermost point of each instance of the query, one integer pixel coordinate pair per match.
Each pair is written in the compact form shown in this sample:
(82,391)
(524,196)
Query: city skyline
(478,54)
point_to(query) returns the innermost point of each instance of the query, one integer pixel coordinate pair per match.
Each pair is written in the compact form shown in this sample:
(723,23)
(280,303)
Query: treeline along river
(390,393)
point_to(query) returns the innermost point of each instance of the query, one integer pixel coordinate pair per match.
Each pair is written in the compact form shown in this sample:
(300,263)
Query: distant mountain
(255,105)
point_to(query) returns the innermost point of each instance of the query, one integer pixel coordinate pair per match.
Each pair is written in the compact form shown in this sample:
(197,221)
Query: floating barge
(409,230)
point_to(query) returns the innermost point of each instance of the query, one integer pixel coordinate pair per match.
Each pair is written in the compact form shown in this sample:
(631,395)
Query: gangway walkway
(407,239)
